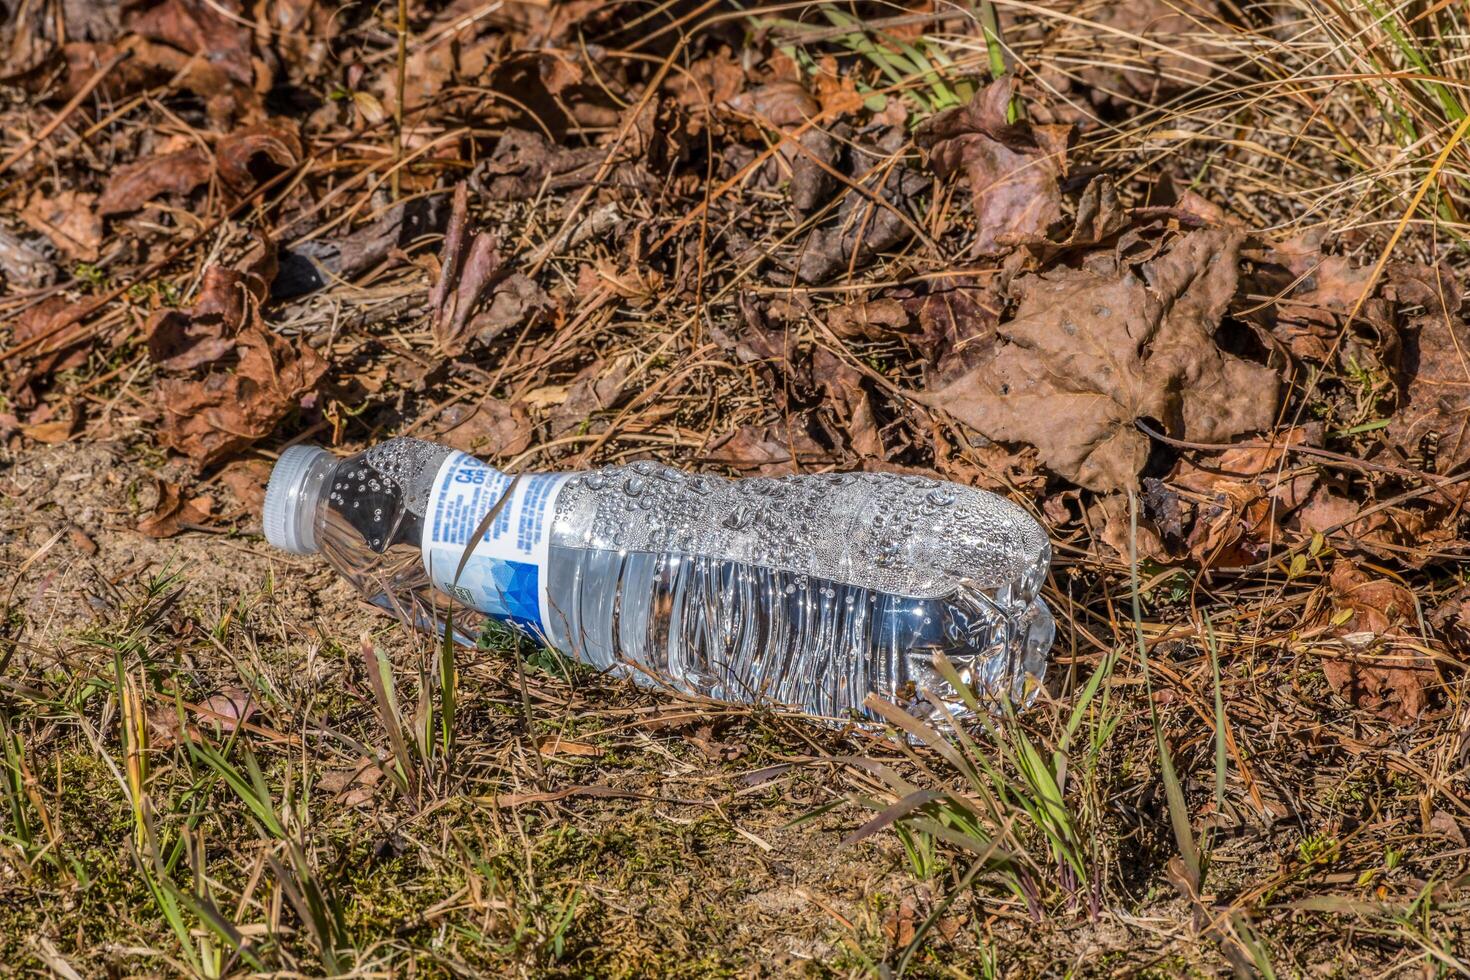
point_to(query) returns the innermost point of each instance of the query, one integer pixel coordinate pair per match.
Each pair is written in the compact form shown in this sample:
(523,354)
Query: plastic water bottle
(811,591)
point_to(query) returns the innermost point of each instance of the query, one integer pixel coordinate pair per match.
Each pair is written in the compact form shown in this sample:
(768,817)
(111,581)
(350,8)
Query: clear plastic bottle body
(745,633)
(807,591)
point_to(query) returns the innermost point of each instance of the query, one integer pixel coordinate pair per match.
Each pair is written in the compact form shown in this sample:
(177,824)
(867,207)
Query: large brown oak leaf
(1090,352)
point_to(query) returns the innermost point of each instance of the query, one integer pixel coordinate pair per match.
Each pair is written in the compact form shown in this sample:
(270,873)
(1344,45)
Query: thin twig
(402,83)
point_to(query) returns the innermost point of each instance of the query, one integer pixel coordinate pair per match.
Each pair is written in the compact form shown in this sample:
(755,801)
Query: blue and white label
(505,575)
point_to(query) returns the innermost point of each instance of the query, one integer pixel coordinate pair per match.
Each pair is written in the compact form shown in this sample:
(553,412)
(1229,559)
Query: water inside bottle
(809,591)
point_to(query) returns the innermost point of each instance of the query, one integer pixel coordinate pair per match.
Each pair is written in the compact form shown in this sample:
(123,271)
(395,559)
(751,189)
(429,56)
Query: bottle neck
(309,499)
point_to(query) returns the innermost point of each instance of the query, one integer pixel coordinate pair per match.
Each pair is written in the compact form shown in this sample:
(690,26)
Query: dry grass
(1300,114)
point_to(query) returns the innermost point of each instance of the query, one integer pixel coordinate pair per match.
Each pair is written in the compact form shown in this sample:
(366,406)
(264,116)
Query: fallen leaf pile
(769,255)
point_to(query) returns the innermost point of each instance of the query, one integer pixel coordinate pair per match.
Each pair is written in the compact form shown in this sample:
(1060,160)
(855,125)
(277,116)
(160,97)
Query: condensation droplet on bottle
(940,497)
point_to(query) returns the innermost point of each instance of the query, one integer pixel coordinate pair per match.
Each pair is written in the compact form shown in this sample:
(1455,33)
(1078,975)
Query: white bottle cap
(291,498)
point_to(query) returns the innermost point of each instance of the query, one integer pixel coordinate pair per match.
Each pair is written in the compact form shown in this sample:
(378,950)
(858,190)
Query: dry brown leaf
(715,749)
(596,791)
(1241,497)
(54,424)
(432,66)
(514,301)
(1012,168)
(351,787)
(302,33)
(148,64)
(470,263)
(1113,526)
(312,264)
(1149,49)
(1451,622)
(450,254)
(752,338)
(1435,407)
(492,428)
(174,513)
(81,541)
(1391,534)
(1191,205)
(863,227)
(548,88)
(769,450)
(547,396)
(135,184)
(226,411)
(1241,463)
(247,479)
(57,319)
(639,287)
(900,924)
(28,35)
(957,318)
(253,154)
(212,29)
(1100,215)
(143,64)
(876,319)
(1445,825)
(710,81)
(179,341)
(229,709)
(164,729)
(523,163)
(837,92)
(68,219)
(597,388)
(1089,352)
(1313,292)
(849,399)
(1384,674)
(50,433)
